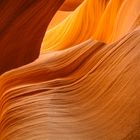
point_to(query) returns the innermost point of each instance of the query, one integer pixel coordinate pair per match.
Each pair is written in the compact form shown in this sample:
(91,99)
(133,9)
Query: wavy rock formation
(58,18)
(101,20)
(85,85)
(22,28)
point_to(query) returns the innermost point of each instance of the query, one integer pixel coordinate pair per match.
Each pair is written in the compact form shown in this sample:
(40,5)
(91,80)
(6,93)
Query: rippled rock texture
(78,79)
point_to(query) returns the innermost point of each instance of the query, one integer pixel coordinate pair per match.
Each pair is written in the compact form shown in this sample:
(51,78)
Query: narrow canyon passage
(78,79)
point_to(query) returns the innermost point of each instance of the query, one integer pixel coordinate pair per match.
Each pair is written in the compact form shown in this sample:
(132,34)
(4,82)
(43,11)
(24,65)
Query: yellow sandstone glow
(85,83)
(102,20)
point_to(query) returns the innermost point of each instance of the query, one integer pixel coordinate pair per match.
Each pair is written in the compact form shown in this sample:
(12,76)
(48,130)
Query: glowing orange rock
(85,85)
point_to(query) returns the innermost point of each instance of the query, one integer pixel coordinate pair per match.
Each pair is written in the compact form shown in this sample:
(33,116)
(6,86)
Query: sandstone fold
(83,79)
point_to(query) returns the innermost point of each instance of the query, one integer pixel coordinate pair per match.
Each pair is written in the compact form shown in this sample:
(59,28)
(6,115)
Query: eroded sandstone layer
(83,82)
